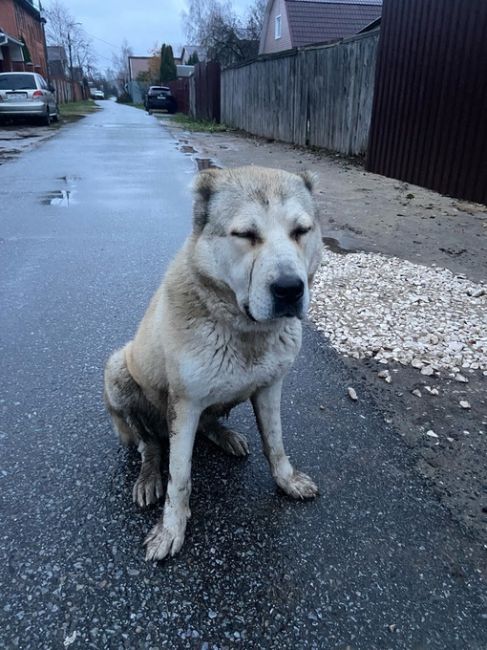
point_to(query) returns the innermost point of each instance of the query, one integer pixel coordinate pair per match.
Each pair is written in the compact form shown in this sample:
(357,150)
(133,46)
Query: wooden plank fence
(316,96)
(180,91)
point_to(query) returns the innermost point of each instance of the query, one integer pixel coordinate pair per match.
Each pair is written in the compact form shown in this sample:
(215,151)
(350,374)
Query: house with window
(22,38)
(296,23)
(70,83)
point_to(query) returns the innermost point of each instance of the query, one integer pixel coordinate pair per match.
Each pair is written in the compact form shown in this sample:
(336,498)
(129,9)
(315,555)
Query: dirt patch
(201,163)
(337,246)
(205,163)
(367,212)
(453,459)
(15,138)
(187,149)
(21,135)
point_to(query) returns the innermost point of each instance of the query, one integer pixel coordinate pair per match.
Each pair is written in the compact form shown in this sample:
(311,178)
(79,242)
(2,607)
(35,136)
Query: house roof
(184,70)
(56,53)
(32,7)
(77,74)
(56,69)
(188,50)
(326,20)
(15,46)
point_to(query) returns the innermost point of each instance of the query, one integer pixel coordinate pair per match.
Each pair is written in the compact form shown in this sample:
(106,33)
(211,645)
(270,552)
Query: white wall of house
(269,42)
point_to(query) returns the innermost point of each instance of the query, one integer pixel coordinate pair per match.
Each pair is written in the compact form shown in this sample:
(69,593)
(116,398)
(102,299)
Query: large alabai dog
(224,327)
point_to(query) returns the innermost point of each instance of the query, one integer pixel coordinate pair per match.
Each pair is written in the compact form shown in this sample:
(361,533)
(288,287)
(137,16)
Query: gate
(429,118)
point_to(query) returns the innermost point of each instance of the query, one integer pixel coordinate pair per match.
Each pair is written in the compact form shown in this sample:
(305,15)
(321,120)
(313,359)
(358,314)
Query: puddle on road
(201,163)
(186,148)
(206,163)
(337,246)
(60,198)
(29,135)
(9,152)
(69,179)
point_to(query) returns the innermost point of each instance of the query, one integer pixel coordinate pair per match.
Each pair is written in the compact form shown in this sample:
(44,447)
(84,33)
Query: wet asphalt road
(375,562)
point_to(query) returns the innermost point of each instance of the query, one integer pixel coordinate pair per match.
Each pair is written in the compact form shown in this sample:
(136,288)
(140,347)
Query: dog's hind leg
(137,422)
(232,442)
(121,395)
(148,486)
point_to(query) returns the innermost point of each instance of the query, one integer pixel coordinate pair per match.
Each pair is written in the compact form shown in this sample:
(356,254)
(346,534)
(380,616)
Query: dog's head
(256,231)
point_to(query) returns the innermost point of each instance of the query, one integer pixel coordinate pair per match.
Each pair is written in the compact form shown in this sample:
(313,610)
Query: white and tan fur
(223,327)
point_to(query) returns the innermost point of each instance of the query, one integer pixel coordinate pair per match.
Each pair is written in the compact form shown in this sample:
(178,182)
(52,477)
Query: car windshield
(17,82)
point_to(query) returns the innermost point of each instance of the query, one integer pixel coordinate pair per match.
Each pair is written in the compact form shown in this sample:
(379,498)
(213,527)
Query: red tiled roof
(322,20)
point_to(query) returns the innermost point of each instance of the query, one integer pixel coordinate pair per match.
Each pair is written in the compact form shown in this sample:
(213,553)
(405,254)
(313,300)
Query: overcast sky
(142,22)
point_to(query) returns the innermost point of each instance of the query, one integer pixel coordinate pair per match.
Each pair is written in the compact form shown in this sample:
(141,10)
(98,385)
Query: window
(17,81)
(277,28)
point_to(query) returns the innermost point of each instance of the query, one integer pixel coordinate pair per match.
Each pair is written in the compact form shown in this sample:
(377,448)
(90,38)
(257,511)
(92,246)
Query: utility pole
(43,27)
(70,57)
(70,51)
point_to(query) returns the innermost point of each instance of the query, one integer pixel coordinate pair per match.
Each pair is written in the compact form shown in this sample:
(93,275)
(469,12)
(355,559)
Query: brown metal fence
(180,90)
(429,120)
(204,92)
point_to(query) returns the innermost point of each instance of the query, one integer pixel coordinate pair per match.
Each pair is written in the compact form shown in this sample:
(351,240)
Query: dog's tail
(134,417)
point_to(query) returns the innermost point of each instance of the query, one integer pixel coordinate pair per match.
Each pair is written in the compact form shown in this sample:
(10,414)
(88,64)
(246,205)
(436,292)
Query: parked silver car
(95,93)
(27,94)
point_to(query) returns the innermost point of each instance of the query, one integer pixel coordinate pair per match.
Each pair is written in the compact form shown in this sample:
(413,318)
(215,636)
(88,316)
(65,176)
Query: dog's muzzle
(287,295)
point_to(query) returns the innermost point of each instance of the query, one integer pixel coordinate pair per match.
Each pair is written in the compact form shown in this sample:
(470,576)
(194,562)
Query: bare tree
(199,15)
(255,19)
(215,25)
(121,65)
(63,30)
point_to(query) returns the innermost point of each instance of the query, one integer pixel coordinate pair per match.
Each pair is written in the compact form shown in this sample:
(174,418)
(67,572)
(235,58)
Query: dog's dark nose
(287,289)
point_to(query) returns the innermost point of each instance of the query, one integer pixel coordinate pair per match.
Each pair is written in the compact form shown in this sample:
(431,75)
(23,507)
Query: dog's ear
(310,180)
(203,187)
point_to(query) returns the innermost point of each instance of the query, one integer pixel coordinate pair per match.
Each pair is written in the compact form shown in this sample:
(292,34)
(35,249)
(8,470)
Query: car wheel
(46,119)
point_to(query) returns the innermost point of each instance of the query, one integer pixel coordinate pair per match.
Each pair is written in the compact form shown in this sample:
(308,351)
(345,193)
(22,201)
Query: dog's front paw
(298,486)
(165,539)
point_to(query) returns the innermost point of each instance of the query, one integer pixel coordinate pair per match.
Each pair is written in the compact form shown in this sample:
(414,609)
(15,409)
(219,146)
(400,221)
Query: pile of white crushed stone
(372,306)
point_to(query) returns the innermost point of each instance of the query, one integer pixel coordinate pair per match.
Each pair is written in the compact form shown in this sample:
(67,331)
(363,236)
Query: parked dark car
(160,98)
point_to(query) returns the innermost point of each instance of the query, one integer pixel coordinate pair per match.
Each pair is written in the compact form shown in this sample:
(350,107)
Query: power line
(115,47)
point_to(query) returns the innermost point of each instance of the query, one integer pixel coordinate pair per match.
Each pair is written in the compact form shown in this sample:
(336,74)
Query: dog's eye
(298,232)
(251,235)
